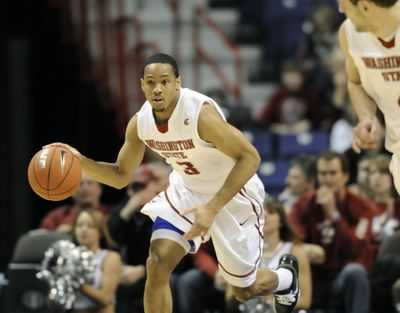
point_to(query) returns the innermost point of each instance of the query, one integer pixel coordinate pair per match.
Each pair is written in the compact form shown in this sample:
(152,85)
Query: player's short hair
(381,3)
(331,155)
(163,59)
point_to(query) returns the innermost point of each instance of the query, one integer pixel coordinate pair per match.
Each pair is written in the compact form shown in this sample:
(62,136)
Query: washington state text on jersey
(384,63)
(174,146)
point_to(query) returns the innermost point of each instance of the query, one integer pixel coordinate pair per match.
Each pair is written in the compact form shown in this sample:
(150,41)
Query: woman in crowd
(279,238)
(90,230)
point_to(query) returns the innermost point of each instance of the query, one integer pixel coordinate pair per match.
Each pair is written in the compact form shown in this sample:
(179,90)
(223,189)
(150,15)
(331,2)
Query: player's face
(86,232)
(330,174)
(161,87)
(357,13)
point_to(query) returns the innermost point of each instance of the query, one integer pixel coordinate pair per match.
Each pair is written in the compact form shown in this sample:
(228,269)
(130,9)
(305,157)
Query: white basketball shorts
(237,230)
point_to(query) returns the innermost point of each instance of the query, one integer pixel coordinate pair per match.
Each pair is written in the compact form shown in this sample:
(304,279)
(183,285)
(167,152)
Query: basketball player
(213,192)
(370,37)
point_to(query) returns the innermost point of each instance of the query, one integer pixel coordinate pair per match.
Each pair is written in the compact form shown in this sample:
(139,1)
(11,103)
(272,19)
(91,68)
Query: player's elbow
(254,160)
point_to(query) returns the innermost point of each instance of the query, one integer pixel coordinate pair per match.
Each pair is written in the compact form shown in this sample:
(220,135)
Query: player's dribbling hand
(367,135)
(64,145)
(204,216)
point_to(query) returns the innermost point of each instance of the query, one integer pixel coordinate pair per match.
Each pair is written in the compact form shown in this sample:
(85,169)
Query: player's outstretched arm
(119,173)
(368,132)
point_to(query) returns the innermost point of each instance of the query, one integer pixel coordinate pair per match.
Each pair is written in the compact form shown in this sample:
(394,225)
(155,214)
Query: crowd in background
(341,264)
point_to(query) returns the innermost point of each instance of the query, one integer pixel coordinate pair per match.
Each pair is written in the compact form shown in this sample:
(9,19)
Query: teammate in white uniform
(370,37)
(213,190)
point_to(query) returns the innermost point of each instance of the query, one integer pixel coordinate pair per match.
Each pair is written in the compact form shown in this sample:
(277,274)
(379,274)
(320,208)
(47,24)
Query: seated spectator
(279,238)
(300,180)
(90,229)
(361,186)
(315,48)
(88,195)
(384,196)
(385,223)
(338,221)
(294,107)
(195,288)
(237,114)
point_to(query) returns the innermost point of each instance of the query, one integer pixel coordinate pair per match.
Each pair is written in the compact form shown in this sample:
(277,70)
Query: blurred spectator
(361,186)
(195,288)
(315,49)
(279,238)
(90,229)
(237,114)
(339,222)
(87,196)
(384,195)
(132,231)
(283,29)
(300,180)
(294,107)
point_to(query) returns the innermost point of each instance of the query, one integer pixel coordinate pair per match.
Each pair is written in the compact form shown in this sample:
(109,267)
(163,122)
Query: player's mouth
(157,101)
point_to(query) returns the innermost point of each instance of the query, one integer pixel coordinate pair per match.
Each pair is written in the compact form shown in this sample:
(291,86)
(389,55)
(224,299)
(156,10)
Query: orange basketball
(54,173)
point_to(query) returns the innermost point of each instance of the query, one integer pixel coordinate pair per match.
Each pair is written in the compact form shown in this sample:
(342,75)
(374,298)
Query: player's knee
(156,268)
(242,294)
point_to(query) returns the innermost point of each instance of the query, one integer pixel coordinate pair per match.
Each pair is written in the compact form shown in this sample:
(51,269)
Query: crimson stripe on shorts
(173,208)
(246,196)
(259,204)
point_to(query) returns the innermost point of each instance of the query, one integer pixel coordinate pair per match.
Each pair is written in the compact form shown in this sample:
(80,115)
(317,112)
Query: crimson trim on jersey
(162,128)
(173,208)
(387,44)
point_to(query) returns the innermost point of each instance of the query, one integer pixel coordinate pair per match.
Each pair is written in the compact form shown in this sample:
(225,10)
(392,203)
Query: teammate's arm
(367,133)
(130,156)
(230,141)
(364,106)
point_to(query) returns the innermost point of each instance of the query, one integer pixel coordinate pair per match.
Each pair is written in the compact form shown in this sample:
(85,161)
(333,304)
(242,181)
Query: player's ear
(364,5)
(142,83)
(178,82)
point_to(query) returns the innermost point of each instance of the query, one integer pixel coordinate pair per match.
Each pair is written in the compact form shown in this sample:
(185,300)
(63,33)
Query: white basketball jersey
(196,163)
(379,69)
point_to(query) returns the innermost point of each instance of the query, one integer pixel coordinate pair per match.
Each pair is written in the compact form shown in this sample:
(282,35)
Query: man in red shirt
(340,222)
(87,196)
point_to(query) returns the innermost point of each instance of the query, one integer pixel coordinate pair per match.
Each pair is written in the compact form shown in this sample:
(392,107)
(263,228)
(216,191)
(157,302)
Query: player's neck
(163,117)
(386,31)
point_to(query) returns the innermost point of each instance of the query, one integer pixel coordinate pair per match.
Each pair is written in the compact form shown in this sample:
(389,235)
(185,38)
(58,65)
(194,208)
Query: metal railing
(202,56)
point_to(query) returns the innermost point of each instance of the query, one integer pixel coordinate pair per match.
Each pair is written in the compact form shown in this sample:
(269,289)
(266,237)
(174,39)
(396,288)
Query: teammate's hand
(367,135)
(64,145)
(203,218)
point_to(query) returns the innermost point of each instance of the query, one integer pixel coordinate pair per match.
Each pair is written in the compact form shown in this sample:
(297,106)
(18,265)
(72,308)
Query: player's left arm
(230,141)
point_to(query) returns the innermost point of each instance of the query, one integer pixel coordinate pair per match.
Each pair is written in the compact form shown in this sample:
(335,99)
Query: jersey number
(188,168)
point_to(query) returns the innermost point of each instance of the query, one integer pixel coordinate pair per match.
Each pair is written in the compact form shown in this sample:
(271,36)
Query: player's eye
(150,83)
(165,81)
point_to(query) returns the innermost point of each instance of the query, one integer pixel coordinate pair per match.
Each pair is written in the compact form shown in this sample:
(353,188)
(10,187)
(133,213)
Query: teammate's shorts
(237,230)
(395,170)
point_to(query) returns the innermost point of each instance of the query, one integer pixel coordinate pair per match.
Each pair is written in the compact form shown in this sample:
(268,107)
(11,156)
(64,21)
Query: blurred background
(70,72)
